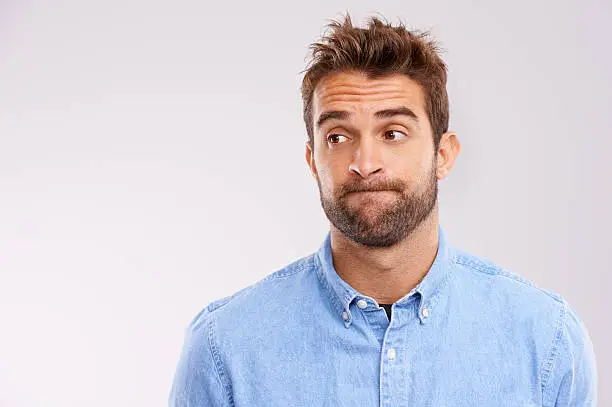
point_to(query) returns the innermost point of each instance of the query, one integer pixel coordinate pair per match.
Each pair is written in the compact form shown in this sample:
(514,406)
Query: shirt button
(344,316)
(425,312)
(391,353)
(362,304)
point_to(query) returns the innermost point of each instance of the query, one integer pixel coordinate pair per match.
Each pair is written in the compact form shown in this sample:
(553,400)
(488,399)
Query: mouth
(376,195)
(370,192)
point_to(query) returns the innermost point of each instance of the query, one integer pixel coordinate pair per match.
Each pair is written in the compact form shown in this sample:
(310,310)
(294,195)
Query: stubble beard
(383,224)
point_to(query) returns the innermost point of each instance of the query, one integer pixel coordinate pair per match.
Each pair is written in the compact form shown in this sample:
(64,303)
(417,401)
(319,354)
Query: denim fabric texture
(471,333)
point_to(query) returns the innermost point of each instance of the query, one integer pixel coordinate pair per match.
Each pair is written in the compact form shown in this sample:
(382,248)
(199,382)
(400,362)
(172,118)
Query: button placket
(394,389)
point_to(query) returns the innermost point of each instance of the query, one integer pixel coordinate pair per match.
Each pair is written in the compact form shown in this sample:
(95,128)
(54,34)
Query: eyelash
(337,134)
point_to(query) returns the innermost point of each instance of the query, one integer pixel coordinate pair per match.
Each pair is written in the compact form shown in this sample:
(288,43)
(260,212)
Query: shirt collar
(342,294)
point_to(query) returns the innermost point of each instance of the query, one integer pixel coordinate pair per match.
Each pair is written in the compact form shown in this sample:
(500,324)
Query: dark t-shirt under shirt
(387,308)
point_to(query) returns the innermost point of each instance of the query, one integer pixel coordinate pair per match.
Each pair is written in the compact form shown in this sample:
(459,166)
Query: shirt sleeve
(197,381)
(573,372)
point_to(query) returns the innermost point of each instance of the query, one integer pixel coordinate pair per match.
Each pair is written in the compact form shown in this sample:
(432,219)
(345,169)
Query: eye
(395,134)
(333,137)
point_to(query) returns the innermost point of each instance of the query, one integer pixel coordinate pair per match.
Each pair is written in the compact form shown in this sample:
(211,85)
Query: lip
(370,193)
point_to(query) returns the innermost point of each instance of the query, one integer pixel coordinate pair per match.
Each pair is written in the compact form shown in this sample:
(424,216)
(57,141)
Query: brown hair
(380,50)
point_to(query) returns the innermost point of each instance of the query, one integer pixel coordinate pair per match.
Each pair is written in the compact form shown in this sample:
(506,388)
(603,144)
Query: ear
(447,154)
(310,160)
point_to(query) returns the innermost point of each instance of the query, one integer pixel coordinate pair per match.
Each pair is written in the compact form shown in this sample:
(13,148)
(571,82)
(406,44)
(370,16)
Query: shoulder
(271,289)
(503,283)
(523,312)
(566,354)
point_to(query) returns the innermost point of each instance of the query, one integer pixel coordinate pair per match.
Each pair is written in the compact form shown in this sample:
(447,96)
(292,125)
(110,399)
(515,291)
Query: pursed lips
(370,192)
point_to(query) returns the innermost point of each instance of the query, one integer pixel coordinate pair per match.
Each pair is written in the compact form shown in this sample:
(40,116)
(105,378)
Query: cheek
(330,179)
(417,161)
(412,172)
(329,170)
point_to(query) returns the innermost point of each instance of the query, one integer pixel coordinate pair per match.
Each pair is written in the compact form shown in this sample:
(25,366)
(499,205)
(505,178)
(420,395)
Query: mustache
(391,185)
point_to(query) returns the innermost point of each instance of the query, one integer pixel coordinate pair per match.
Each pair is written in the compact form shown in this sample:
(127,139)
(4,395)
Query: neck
(389,273)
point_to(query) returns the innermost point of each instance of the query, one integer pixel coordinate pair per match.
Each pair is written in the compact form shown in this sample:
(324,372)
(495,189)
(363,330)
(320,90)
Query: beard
(381,223)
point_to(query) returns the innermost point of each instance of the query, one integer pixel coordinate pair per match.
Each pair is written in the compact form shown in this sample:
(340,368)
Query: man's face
(373,157)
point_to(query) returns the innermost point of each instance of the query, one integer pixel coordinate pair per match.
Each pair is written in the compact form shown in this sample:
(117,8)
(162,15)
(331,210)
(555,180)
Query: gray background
(152,160)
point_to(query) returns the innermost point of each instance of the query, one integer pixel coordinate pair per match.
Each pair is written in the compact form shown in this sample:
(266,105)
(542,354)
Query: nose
(366,160)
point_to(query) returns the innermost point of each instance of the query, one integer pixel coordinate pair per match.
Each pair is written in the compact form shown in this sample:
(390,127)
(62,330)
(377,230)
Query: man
(387,312)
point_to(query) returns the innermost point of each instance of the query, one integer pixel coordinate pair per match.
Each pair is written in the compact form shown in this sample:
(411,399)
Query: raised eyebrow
(381,114)
(332,114)
(396,111)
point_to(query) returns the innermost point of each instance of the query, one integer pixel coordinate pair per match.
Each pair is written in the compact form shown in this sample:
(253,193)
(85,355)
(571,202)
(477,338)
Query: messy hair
(379,50)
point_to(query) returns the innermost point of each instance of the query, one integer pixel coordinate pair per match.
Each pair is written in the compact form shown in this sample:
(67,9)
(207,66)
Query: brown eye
(333,138)
(395,134)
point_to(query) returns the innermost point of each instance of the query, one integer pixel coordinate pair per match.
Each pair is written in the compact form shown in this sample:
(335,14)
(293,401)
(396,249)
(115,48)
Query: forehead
(354,91)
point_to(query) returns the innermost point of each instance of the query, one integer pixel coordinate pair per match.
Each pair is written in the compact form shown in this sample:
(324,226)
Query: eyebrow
(381,114)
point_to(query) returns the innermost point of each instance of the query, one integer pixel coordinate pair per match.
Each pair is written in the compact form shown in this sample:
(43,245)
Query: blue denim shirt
(471,333)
